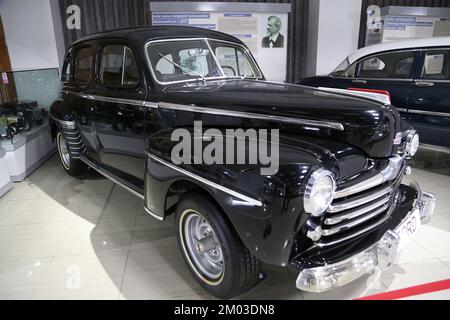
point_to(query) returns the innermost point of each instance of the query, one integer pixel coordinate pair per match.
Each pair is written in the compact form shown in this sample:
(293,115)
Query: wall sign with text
(265,34)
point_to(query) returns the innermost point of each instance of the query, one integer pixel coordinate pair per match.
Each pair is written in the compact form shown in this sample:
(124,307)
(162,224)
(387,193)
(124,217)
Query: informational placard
(264,34)
(398,28)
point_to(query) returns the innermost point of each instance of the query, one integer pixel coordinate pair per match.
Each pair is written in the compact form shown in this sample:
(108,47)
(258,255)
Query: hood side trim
(248,115)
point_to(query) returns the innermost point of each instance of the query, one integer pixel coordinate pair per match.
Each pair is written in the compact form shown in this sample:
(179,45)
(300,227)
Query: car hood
(368,125)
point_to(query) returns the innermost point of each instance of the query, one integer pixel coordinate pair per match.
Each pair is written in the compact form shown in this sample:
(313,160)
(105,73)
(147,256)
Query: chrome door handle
(360,81)
(424,84)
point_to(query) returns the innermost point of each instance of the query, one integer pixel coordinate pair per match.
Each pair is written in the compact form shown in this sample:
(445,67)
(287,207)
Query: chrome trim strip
(140,103)
(110,177)
(371,79)
(206,181)
(386,79)
(389,173)
(402,109)
(356,203)
(430,113)
(433,80)
(353,235)
(329,232)
(364,185)
(316,123)
(248,115)
(75,148)
(354,214)
(154,215)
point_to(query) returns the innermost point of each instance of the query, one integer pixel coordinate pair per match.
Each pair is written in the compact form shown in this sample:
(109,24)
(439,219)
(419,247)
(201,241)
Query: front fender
(61,114)
(266,211)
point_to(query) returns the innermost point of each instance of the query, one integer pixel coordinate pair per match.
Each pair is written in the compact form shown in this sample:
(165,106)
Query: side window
(111,65)
(404,67)
(233,62)
(118,67)
(131,70)
(84,58)
(396,65)
(373,64)
(436,65)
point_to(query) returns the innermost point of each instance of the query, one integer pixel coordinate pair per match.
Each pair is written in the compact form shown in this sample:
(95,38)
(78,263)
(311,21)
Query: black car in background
(416,73)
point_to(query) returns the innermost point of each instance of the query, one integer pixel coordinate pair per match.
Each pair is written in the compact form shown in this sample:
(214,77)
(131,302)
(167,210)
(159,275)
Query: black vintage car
(416,73)
(334,209)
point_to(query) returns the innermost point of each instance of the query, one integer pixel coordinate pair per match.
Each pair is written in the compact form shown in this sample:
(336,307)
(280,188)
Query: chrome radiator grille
(360,208)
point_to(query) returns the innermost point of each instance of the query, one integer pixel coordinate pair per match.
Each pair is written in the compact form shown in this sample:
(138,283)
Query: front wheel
(212,250)
(74,167)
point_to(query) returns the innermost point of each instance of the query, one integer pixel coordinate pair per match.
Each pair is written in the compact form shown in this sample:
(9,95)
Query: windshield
(191,60)
(341,69)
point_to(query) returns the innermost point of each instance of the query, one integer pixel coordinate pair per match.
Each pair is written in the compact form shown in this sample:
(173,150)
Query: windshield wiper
(183,68)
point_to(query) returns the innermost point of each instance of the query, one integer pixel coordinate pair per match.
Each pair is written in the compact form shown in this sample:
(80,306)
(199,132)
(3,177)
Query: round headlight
(412,146)
(319,192)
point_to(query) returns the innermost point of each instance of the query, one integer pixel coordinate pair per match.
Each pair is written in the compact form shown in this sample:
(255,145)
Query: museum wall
(330,20)
(29,33)
(33,49)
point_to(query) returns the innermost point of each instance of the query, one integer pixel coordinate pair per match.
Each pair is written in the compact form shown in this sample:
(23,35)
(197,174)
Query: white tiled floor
(64,238)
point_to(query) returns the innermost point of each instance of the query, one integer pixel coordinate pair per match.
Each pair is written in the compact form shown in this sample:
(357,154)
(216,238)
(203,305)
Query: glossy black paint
(118,134)
(417,102)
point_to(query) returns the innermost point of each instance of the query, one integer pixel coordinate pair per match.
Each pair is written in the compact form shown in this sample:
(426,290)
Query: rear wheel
(212,250)
(74,167)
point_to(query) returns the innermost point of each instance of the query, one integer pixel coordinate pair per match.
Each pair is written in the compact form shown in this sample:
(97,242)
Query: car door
(391,71)
(429,109)
(118,106)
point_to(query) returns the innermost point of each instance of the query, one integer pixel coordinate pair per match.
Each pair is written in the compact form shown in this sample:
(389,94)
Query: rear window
(83,63)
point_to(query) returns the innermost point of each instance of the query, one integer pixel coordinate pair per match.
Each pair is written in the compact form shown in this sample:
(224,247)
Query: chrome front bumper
(379,256)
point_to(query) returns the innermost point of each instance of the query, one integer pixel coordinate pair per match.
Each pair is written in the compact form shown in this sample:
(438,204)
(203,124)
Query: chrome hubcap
(203,246)
(63,151)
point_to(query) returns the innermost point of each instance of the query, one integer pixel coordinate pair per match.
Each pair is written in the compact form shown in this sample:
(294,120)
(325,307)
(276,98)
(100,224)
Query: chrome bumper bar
(379,256)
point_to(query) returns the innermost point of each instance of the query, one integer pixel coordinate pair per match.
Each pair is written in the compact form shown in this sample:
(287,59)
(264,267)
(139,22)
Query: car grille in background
(74,142)
(360,208)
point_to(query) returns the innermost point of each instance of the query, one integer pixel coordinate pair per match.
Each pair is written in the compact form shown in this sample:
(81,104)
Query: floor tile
(57,232)
(20,278)
(415,273)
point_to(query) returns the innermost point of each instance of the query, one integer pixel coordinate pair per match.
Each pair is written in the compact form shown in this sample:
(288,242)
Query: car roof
(145,34)
(398,45)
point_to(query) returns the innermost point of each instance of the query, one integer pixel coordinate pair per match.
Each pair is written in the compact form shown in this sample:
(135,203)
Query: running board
(111,177)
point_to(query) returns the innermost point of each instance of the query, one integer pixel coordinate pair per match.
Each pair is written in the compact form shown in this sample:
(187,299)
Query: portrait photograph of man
(274,38)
